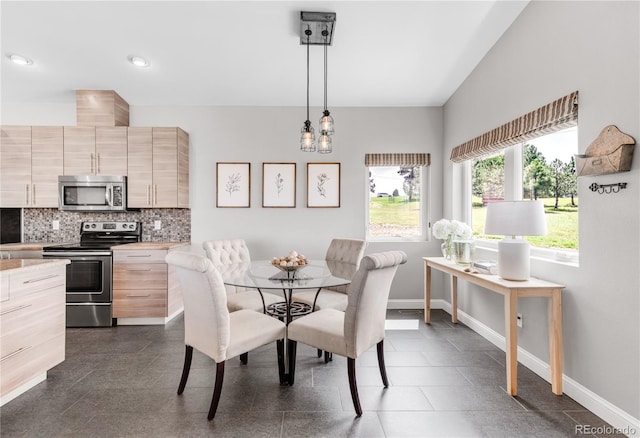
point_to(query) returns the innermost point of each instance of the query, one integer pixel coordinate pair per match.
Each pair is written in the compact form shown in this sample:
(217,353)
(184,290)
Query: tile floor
(445,381)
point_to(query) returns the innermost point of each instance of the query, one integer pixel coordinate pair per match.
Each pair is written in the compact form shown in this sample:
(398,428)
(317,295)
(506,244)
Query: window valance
(397,160)
(555,116)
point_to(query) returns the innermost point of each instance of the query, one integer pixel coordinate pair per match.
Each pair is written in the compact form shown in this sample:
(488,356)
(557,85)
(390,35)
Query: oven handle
(62,255)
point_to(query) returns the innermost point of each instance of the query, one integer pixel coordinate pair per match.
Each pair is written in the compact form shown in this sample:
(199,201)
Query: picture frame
(323,185)
(278,185)
(233,185)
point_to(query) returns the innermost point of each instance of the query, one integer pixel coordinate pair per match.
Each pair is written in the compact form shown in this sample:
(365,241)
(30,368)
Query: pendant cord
(325,68)
(308,33)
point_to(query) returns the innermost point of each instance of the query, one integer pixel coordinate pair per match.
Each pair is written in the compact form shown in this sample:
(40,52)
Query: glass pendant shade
(324,144)
(307,138)
(326,123)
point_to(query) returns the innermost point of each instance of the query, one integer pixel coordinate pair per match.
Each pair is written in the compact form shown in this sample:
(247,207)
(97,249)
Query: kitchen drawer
(20,313)
(39,327)
(139,303)
(4,287)
(25,364)
(30,282)
(139,256)
(140,276)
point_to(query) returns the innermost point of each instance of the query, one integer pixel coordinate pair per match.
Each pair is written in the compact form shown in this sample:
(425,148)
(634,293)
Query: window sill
(395,239)
(560,257)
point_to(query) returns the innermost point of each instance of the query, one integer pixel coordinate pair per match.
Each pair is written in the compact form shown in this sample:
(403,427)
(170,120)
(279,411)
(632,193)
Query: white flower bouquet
(450,230)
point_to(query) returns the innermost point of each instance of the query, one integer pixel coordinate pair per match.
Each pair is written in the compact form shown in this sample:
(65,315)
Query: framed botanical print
(233,185)
(323,185)
(279,185)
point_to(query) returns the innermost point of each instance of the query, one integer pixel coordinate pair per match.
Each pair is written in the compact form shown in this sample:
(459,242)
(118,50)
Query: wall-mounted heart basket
(611,152)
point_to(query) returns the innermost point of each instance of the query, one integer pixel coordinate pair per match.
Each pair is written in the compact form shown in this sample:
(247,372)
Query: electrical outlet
(55,225)
(519,320)
(157,225)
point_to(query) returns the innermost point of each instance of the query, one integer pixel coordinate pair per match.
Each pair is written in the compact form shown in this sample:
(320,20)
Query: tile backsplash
(38,224)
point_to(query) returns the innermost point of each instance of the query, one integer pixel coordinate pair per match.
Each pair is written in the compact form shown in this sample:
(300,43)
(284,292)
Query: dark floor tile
(540,398)
(497,376)
(394,359)
(523,424)
(425,376)
(470,398)
(426,344)
(393,398)
(428,424)
(333,424)
(463,359)
(588,423)
(292,398)
(338,377)
(230,425)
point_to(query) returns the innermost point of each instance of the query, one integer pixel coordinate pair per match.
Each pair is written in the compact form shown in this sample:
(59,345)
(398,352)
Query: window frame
(425,208)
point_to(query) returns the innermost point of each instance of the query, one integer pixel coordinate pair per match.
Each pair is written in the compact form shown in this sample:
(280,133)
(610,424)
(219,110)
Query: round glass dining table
(262,275)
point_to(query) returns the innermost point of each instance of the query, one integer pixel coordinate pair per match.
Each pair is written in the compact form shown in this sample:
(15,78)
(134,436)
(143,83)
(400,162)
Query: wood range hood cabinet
(101,108)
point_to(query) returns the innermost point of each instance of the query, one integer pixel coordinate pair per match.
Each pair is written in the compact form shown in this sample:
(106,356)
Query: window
(396,187)
(541,168)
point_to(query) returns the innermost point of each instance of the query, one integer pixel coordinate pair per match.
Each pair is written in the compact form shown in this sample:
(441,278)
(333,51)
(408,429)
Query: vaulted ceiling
(385,53)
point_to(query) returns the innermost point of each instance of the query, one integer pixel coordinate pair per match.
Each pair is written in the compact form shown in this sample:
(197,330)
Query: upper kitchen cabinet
(30,162)
(90,150)
(158,161)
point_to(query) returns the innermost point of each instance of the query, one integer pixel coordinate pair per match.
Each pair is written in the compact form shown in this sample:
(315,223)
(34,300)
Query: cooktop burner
(96,236)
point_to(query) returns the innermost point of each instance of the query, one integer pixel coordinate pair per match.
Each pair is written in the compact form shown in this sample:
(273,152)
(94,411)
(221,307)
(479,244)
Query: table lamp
(511,219)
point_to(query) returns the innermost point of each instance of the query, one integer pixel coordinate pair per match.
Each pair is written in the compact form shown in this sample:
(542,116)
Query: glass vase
(463,251)
(447,249)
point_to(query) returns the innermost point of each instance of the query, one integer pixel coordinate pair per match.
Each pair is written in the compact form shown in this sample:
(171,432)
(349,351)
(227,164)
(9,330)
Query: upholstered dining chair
(210,328)
(359,327)
(343,259)
(233,252)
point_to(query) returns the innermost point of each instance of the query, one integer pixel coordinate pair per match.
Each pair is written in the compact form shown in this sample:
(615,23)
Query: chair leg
(328,357)
(216,390)
(319,353)
(188,355)
(281,373)
(244,358)
(291,347)
(383,370)
(351,370)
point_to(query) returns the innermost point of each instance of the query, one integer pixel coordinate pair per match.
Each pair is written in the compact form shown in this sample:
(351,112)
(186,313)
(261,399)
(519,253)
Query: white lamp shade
(516,218)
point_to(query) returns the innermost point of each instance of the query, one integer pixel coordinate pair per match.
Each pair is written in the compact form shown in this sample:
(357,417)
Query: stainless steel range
(89,276)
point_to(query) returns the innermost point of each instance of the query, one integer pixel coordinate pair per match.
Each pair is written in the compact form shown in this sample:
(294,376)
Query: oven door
(89,278)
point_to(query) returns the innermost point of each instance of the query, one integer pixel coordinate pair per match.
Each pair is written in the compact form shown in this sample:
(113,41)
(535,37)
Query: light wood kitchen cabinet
(90,150)
(144,286)
(32,325)
(31,160)
(164,184)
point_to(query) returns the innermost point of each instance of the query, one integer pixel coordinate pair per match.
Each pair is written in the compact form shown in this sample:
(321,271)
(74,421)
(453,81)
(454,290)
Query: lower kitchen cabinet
(32,323)
(144,286)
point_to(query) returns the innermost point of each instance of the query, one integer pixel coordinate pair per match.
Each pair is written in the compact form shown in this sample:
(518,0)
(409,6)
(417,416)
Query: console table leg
(511,335)
(555,341)
(427,293)
(454,299)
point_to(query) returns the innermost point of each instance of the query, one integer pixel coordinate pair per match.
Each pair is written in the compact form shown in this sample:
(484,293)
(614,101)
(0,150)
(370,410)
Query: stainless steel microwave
(92,193)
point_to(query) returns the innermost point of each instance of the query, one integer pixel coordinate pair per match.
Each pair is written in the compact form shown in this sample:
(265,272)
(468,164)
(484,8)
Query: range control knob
(93,225)
(132,226)
(86,225)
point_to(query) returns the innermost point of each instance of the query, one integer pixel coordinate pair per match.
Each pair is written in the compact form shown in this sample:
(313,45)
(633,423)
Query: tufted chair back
(346,253)
(227,252)
(206,318)
(366,311)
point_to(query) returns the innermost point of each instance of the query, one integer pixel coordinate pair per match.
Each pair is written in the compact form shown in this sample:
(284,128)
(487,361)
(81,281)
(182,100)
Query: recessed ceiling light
(138,61)
(20,60)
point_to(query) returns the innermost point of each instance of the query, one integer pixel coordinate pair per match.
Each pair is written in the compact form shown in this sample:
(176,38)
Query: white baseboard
(616,417)
(6,398)
(405,304)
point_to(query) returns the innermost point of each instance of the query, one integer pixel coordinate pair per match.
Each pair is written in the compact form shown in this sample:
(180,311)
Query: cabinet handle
(14,309)
(35,280)
(138,270)
(155,191)
(33,197)
(92,158)
(138,295)
(148,194)
(98,163)
(26,200)
(139,255)
(18,351)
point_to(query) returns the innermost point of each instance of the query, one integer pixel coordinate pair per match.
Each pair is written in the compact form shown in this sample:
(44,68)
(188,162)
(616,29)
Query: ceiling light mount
(317,22)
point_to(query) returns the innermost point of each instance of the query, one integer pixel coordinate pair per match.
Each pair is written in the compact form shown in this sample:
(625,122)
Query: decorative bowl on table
(291,262)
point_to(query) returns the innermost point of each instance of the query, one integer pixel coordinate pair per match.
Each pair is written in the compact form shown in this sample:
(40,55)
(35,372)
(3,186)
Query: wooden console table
(511,290)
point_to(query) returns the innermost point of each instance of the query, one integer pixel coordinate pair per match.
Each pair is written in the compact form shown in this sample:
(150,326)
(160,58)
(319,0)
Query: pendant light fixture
(326,121)
(317,29)
(308,136)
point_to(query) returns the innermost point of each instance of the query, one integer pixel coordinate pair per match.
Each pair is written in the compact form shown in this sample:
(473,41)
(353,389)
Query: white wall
(268,134)
(552,49)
